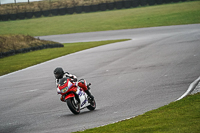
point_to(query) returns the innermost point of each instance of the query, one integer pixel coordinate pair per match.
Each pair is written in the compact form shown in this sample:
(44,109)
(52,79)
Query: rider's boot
(89,94)
(86,88)
(77,99)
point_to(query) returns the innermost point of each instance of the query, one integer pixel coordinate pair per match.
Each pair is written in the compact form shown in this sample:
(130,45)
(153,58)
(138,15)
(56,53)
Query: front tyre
(92,105)
(73,106)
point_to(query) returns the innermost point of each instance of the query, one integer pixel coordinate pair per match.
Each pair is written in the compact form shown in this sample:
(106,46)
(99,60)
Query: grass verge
(178,117)
(20,61)
(150,16)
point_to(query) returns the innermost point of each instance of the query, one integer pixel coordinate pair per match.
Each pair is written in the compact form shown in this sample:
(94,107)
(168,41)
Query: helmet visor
(58,76)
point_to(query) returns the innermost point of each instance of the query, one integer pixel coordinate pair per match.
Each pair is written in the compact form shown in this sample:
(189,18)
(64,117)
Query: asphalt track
(128,78)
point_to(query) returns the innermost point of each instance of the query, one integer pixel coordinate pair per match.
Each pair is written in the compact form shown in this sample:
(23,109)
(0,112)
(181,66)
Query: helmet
(58,72)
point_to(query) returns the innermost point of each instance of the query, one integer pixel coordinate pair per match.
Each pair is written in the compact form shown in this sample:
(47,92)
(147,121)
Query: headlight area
(64,90)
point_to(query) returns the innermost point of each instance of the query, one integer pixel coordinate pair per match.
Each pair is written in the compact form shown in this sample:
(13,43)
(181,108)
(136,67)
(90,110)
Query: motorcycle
(74,96)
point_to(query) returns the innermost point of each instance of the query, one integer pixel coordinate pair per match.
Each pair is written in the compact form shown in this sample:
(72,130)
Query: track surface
(128,79)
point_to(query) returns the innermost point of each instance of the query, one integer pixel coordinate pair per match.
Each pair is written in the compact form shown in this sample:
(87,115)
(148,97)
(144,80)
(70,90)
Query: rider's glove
(73,80)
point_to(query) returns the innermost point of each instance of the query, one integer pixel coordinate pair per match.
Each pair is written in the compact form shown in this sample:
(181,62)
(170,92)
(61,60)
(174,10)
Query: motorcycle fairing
(83,98)
(69,96)
(63,85)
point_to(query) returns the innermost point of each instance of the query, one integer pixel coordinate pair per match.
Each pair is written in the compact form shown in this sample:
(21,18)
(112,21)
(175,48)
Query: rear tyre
(92,105)
(73,106)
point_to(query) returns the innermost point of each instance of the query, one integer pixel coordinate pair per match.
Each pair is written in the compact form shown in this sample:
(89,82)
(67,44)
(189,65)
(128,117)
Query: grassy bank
(16,42)
(150,16)
(20,61)
(178,117)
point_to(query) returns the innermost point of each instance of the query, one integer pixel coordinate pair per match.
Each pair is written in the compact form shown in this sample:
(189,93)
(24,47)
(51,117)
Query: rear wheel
(92,105)
(73,106)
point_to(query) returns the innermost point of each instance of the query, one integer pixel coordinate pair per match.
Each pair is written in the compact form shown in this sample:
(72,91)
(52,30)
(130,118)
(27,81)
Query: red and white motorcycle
(74,96)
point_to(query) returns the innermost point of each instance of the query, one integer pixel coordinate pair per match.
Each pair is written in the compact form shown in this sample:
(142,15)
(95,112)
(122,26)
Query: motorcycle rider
(59,74)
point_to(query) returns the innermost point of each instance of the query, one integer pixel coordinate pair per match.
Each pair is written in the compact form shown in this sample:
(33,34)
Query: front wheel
(92,105)
(73,106)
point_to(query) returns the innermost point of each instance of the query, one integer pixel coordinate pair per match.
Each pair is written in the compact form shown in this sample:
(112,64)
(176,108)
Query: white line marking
(190,89)
(28,91)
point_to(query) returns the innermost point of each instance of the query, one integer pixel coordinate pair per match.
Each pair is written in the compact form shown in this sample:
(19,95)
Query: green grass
(178,117)
(20,61)
(150,16)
